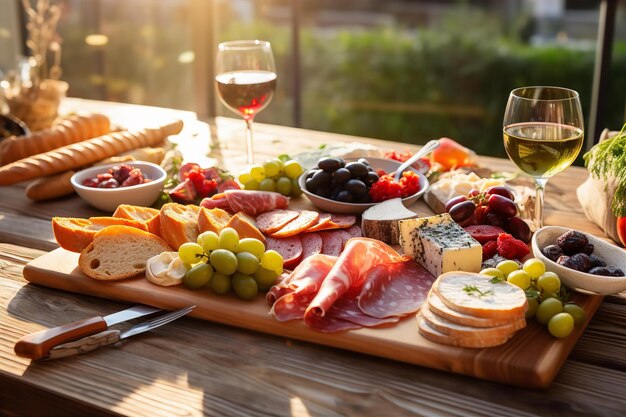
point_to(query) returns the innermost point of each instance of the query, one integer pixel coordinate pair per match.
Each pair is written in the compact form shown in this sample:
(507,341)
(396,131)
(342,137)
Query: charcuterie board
(531,359)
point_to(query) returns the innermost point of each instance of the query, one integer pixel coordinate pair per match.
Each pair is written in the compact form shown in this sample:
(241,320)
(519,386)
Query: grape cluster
(274,175)
(495,207)
(544,294)
(347,182)
(224,262)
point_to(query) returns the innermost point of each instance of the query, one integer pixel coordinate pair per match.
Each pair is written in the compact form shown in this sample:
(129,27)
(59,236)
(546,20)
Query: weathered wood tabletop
(196,367)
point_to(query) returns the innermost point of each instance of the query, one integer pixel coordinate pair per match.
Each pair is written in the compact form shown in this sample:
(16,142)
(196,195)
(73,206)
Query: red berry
(490,249)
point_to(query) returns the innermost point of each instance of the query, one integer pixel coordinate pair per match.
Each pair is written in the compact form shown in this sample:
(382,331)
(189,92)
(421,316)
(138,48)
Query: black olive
(552,252)
(345,196)
(323,190)
(372,177)
(341,176)
(329,164)
(608,271)
(311,185)
(356,187)
(364,161)
(357,169)
(322,178)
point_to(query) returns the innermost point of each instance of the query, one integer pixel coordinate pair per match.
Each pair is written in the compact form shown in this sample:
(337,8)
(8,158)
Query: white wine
(542,149)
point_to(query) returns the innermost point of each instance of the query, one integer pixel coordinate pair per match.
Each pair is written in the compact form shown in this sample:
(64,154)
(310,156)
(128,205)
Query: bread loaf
(53,186)
(74,234)
(74,129)
(83,153)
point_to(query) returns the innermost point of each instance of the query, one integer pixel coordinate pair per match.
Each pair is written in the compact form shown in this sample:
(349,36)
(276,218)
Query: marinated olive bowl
(577,280)
(340,207)
(107,199)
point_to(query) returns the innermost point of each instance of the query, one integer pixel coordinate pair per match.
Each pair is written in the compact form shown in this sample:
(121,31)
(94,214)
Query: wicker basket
(38,107)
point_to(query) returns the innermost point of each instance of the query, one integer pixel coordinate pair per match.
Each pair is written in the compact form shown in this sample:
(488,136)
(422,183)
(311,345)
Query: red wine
(246,92)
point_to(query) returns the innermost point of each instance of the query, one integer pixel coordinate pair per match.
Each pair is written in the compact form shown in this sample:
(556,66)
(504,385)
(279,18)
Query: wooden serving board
(532,358)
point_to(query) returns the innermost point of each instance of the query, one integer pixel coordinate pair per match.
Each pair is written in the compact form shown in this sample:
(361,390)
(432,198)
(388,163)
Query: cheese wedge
(381,221)
(440,245)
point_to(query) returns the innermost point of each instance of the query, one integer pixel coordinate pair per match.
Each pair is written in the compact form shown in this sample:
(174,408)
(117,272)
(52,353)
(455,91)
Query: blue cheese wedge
(440,245)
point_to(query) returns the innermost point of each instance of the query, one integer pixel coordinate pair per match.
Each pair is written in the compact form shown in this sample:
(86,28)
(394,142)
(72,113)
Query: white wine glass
(543,134)
(246,80)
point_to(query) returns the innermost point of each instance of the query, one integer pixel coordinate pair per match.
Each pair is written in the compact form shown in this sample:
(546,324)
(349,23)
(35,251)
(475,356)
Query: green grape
(209,241)
(549,282)
(244,177)
(272,260)
(283,186)
(534,267)
(251,185)
(224,261)
(265,278)
(507,267)
(267,184)
(533,304)
(519,278)
(245,286)
(295,188)
(190,253)
(548,308)
(293,169)
(272,169)
(228,239)
(198,276)
(279,163)
(220,283)
(576,312)
(257,172)
(492,272)
(247,263)
(561,325)
(252,245)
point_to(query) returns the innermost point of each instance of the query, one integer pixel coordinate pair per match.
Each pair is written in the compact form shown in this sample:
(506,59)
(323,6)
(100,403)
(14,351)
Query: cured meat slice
(311,244)
(359,256)
(250,202)
(332,243)
(275,220)
(289,248)
(321,222)
(354,231)
(304,220)
(296,292)
(347,308)
(344,236)
(394,289)
(333,221)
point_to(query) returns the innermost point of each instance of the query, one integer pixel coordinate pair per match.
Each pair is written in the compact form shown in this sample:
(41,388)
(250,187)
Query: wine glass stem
(540,187)
(249,148)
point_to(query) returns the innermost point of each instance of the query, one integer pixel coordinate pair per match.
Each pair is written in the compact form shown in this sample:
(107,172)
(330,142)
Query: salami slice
(304,220)
(333,221)
(394,289)
(311,244)
(332,243)
(354,231)
(321,222)
(275,220)
(347,308)
(344,236)
(289,248)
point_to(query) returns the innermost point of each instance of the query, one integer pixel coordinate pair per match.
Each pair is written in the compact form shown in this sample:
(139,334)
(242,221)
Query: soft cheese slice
(440,245)
(381,221)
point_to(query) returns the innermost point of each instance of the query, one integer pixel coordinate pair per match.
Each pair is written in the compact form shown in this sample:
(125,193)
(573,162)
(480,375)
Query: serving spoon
(426,149)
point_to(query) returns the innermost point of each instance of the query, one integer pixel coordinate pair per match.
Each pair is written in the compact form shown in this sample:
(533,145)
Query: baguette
(74,129)
(84,153)
(53,186)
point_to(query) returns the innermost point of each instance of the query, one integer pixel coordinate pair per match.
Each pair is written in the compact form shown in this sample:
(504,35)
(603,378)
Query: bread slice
(119,252)
(438,307)
(477,295)
(245,226)
(75,234)
(435,335)
(147,215)
(179,224)
(213,220)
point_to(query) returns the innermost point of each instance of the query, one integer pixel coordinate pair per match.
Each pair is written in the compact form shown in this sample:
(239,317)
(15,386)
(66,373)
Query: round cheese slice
(434,335)
(442,310)
(477,295)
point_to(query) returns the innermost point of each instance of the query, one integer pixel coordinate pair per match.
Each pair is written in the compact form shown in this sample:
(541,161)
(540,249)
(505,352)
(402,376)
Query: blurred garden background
(400,70)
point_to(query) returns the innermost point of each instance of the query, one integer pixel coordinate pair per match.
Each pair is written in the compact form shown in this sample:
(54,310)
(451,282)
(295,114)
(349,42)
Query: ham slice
(347,275)
(394,289)
(252,203)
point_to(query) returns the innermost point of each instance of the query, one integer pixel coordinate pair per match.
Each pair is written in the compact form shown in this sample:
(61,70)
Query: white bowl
(582,281)
(339,207)
(107,199)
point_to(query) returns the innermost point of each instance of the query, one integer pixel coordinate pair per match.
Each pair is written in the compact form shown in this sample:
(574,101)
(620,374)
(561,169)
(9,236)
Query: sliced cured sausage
(333,221)
(289,248)
(394,289)
(320,224)
(275,220)
(301,223)
(252,203)
(332,243)
(311,244)
(354,231)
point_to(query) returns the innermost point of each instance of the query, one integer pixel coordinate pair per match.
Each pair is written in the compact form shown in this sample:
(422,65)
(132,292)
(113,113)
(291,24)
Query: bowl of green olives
(343,186)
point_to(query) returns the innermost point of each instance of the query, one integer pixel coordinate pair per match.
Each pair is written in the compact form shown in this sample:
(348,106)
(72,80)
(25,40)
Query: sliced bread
(438,307)
(179,224)
(245,226)
(147,215)
(435,335)
(119,252)
(212,220)
(75,234)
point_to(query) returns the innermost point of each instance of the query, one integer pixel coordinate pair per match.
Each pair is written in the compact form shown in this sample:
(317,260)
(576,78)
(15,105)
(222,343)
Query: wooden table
(195,367)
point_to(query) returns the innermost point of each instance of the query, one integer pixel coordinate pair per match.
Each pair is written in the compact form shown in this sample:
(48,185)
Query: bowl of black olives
(582,261)
(343,186)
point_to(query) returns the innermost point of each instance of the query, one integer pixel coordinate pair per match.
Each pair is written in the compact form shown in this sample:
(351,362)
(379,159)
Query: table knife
(37,345)
(110,337)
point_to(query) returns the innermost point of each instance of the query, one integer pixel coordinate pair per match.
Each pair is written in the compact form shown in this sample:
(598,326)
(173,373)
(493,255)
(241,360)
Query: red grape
(500,190)
(501,205)
(462,210)
(518,229)
(473,193)
(454,201)
(493,219)
(480,214)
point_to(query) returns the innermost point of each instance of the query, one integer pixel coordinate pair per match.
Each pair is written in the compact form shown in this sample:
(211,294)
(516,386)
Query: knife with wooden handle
(37,345)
